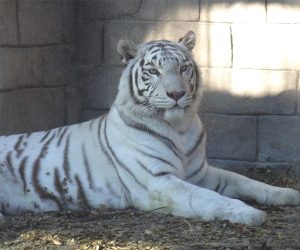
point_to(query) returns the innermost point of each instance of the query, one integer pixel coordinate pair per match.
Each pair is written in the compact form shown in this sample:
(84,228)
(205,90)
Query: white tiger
(147,152)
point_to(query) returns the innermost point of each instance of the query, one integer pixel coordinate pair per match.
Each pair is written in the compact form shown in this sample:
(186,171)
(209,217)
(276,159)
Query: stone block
(69,13)
(89,114)
(279,138)
(58,65)
(230,137)
(90,42)
(8,22)
(167,10)
(283,11)
(40,22)
(73,105)
(27,110)
(298,93)
(297,170)
(266,46)
(147,10)
(20,67)
(247,91)
(209,51)
(99,86)
(254,167)
(247,11)
(107,9)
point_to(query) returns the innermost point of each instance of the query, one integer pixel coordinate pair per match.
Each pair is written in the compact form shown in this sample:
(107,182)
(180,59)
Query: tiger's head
(160,78)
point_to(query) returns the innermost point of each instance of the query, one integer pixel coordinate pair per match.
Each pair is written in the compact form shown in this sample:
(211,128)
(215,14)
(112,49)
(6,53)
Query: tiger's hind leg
(237,186)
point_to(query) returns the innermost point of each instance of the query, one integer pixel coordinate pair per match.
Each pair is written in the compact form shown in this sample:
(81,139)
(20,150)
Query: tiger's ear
(189,40)
(127,50)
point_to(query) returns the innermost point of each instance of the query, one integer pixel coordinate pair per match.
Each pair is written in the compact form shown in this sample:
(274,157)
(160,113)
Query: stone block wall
(247,51)
(37,65)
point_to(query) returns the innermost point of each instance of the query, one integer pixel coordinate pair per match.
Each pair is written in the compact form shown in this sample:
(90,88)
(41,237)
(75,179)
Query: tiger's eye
(154,71)
(183,68)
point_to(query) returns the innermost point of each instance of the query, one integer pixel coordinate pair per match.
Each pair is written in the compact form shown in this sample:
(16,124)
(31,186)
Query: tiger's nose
(176,95)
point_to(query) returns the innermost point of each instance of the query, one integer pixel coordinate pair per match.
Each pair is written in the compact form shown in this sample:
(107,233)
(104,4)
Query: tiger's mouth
(170,104)
(182,104)
(177,106)
(173,106)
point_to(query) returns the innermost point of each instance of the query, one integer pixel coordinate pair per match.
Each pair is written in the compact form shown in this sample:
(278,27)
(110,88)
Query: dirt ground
(132,229)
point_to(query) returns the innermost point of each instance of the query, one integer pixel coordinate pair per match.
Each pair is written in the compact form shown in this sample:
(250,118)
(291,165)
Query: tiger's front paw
(284,196)
(248,216)
(239,212)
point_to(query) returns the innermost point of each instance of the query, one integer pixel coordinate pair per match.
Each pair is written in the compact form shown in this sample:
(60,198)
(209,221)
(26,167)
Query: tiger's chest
(156,149)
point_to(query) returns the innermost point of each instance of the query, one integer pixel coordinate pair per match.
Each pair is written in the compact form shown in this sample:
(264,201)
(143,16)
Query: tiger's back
(62,168)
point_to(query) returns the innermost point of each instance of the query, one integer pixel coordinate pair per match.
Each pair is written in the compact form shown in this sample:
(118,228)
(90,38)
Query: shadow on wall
(37,65)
